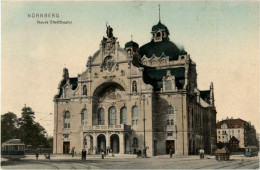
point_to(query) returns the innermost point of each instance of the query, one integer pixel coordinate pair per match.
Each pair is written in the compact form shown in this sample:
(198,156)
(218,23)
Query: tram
(251,151)
(13,149)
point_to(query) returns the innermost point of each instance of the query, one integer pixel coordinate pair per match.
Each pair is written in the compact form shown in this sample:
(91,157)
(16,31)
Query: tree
(32,133)
(9,126)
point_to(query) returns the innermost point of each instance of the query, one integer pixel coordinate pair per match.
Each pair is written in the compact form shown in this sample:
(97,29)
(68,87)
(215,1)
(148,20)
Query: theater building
(132,98)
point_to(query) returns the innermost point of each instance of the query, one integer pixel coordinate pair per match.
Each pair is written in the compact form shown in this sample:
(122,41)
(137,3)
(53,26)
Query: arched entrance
(127,143)
(88,144)
(101,143)
(114,142)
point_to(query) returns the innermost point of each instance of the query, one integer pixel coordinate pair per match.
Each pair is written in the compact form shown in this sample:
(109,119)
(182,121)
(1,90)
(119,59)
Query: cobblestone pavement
(131,162)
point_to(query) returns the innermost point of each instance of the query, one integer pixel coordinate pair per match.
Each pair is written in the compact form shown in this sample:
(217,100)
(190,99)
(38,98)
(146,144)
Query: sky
(221,37)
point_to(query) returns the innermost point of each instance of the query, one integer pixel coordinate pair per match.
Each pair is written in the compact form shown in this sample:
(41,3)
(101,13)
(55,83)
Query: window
(135,142)
(101,116)
(219,132)
(133,122)
(65,125)
(112,115)
(158,34)
(168,122)
(232,131)
(84,116)
(135,112)
(170,110)
(123,115)
(172,122)
(66,136)
(67,115)
(169,134)
(168,85)
(238,131)
(134,86)
(84,90)
(135,115)
(219,137)
(68,125)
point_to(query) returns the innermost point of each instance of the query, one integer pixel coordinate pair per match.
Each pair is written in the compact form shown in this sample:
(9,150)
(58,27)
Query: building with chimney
(135,98)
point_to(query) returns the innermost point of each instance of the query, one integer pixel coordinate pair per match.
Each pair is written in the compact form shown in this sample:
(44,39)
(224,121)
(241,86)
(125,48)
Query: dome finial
(159,14)
(131,37)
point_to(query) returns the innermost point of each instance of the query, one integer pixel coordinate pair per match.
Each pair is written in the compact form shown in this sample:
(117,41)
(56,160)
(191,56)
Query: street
(131,162)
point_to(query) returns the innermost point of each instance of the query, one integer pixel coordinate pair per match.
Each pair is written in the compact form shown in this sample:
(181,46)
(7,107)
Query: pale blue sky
(221,37)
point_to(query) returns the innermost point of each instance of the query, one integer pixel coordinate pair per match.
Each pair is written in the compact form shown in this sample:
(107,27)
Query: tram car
(251,151)
(13,149)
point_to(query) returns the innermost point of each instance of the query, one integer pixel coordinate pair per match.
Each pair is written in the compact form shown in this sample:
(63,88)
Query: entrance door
(101,141)
(155,147)
(170,145)
(114,140)
(127,143)
(66,147)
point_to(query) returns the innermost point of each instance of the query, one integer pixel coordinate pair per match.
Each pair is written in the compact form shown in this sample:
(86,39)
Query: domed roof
(160,26)
(158,48)
(131,44)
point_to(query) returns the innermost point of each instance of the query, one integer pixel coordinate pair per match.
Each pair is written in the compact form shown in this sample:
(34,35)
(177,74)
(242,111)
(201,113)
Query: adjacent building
(132,98)
(242,130)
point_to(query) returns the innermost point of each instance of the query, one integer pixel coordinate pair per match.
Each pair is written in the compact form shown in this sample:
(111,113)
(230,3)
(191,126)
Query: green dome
(160,26)
(158,48)
(131,44)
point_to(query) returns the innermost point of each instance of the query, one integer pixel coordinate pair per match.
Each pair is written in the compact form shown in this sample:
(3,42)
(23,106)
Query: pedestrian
(72,152)
(37,153)
(102,154)
(82,154)
(201,153)
(170,153)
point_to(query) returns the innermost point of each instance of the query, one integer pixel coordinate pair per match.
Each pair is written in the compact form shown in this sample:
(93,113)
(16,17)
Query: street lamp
(144,150)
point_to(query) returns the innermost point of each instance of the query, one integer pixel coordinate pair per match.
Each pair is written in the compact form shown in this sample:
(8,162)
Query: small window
(218,131)
(219,137)
(133,122)
(238,131)
(168,122)
(137,122)
(158,34)
(68,125)
(65,125)
(135,142)
(172,122)
(170,110)
(169,134)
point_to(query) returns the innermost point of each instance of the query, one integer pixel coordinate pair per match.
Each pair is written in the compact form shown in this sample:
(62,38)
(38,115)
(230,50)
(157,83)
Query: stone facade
(127,100)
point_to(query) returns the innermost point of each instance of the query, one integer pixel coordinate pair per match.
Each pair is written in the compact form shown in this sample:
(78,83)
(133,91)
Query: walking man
(72,152)
(170,153)
(37,153)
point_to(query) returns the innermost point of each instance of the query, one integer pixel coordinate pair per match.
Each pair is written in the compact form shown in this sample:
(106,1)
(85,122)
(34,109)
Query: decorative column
(94,143)
(108,141)
(121,143)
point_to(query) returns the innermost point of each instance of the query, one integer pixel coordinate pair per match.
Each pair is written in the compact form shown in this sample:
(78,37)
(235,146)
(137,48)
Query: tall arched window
(135,115)
(134,86)
(84,116)
(123,115)
(168,85)
(84,90)
(67,115)
(170,110)
(66,120)
(112,115)
(101,116)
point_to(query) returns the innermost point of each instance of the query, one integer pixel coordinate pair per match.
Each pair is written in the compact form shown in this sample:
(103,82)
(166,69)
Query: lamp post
(144,150)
